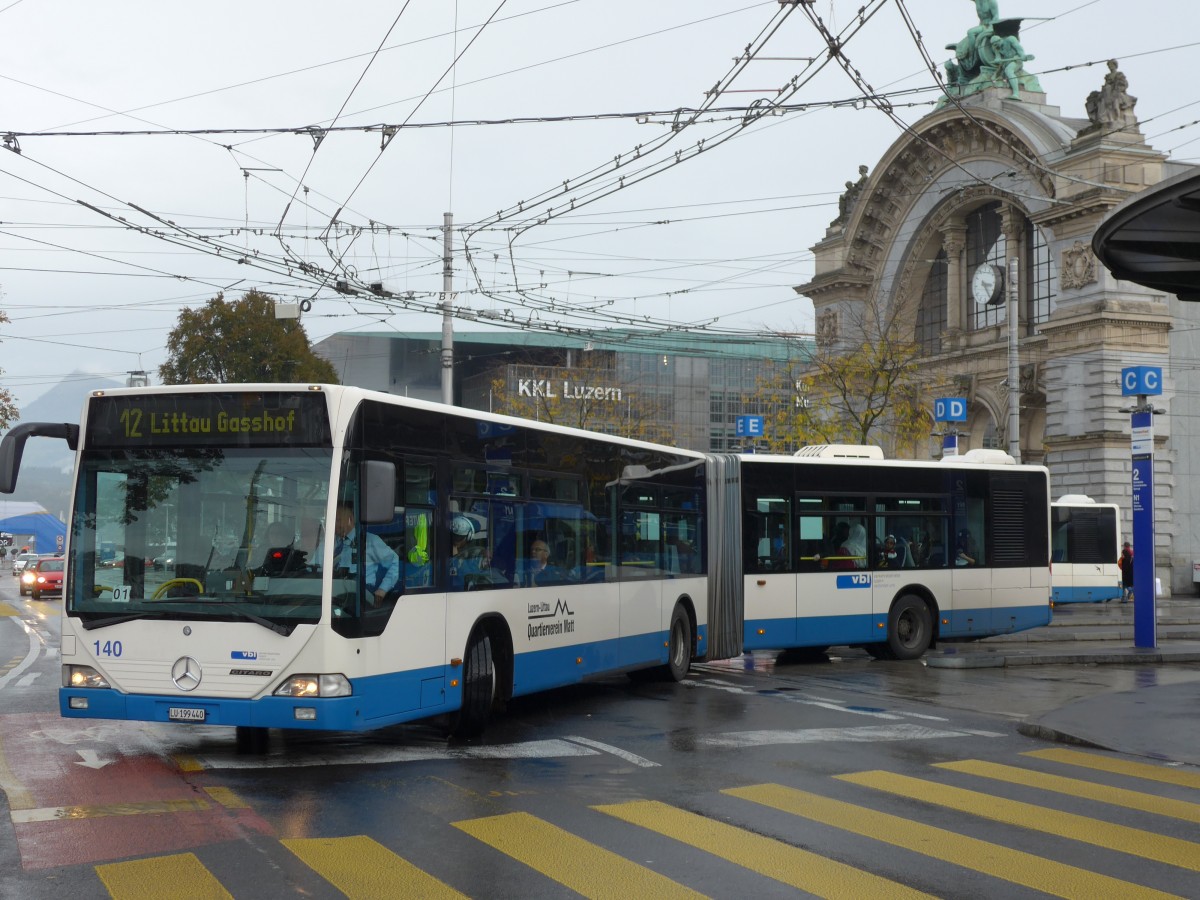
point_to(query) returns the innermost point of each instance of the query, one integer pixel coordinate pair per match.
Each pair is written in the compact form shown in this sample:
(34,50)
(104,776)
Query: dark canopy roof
(1153,238)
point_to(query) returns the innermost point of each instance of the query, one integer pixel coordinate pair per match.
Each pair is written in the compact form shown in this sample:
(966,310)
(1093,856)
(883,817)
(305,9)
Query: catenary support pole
(447,311)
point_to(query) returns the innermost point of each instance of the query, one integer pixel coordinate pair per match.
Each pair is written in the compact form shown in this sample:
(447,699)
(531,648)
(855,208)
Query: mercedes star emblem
(186,673)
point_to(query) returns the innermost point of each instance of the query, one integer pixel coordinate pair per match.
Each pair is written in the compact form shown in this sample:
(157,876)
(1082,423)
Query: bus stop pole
(1145,625)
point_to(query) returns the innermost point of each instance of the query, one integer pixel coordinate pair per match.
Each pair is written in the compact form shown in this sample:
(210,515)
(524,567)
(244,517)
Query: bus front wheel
(478,689)
(910,628)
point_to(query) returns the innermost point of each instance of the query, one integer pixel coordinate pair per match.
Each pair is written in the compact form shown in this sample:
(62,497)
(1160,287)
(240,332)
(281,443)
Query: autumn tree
(8,406)
(865,383)
(241,342)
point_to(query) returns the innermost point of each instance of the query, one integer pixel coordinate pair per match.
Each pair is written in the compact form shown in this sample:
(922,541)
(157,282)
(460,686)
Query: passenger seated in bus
(891,555)
(852,552)
(539,567)
(467,557)
(967,554)
(381,573)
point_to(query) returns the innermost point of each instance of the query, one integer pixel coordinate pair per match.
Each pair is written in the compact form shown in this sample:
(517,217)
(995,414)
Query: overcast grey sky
(108,233)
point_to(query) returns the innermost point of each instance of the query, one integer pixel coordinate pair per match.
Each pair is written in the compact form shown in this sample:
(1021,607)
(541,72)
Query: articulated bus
(324,557)
(1085,543)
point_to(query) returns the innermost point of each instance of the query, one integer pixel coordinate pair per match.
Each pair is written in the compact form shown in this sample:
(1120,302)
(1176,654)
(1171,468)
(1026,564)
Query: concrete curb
(1044,733)
(1123,656)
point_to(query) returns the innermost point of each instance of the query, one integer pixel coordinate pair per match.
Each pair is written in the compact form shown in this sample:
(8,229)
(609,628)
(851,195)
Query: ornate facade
(988,186)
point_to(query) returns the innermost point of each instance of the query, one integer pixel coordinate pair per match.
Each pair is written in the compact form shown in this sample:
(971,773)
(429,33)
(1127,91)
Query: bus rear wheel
(679,646)
(478,689)
(910,628)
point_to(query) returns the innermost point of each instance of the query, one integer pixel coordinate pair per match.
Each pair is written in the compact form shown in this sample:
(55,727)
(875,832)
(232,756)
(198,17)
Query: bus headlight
(315,686)
(83,677)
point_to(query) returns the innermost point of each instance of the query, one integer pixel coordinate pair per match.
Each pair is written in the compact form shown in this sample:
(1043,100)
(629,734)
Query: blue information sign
(1141,380)
(950,409)
(749,426)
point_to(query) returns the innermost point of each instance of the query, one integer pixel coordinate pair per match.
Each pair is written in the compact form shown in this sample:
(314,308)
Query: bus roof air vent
(840,451)
(982,457)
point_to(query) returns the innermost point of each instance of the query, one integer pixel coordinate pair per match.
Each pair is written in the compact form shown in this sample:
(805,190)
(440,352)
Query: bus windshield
(199,533)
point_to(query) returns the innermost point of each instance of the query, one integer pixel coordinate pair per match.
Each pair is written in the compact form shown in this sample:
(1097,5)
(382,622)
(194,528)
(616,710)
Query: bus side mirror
(13,446)
(378,481)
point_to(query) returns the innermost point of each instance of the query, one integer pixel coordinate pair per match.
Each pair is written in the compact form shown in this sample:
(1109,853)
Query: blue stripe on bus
(379,700)
(1084,594)
(832,631)
(812,631)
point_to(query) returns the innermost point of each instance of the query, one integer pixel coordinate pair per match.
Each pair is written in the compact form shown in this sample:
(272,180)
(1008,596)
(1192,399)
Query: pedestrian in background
(1126,565)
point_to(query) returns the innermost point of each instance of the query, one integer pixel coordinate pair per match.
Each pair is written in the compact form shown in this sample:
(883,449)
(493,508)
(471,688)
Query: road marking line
(178,877)
(571,861)
(861,734)
(615,751)
(1076,787)
(1001,862)
(66,813)
(1144,771)
(19,796)
(362,868)
(548,749)
(226,797)
(793,866)
(1122,838)
(26,661)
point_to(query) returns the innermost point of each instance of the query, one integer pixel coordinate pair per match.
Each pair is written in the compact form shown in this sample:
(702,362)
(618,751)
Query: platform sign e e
(950,409)
(749,426)
(1147,380)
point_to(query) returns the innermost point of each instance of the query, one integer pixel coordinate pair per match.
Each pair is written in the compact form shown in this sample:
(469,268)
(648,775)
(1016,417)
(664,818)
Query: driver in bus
(382,570)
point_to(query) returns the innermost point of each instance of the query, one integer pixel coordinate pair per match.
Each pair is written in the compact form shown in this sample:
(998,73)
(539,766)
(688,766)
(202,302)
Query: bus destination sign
(226,419)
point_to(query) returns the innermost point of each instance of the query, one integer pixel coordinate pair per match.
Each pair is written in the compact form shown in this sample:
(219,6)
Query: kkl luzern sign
(544,387)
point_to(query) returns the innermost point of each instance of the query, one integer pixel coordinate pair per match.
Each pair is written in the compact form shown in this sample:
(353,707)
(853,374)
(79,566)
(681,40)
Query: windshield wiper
(259,620)
(89,624)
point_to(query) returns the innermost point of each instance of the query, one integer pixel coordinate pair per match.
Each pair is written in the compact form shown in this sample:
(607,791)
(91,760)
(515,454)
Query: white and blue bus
(1085,544)
(892,555)
(500,557)
(259,622)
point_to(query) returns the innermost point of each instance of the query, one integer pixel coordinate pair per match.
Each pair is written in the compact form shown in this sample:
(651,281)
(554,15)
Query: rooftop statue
(989,56)
(1111,107)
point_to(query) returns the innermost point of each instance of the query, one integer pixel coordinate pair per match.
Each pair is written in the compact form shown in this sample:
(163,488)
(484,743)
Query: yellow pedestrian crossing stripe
(1108,835)
(363,869)
(571,861)
(179,877)
(1077,787)
(1057,879)
(766,856)
(1145,771)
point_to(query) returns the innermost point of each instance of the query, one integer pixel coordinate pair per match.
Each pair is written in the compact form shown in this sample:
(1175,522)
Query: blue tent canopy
(41,532)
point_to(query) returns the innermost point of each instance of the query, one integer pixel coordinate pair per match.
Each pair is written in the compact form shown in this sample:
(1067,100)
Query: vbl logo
(243,654)
(862,580)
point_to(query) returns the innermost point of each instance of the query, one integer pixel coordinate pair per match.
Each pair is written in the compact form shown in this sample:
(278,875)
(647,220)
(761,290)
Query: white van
(21,560)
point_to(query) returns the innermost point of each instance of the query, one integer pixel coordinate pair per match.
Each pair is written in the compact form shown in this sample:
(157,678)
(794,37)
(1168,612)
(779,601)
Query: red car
(44,577)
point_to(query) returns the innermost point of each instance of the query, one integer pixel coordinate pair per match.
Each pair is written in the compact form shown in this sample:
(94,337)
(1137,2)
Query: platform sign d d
(950,409)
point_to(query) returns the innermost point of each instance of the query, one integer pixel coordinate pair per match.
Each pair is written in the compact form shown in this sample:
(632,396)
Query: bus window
(768,534)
